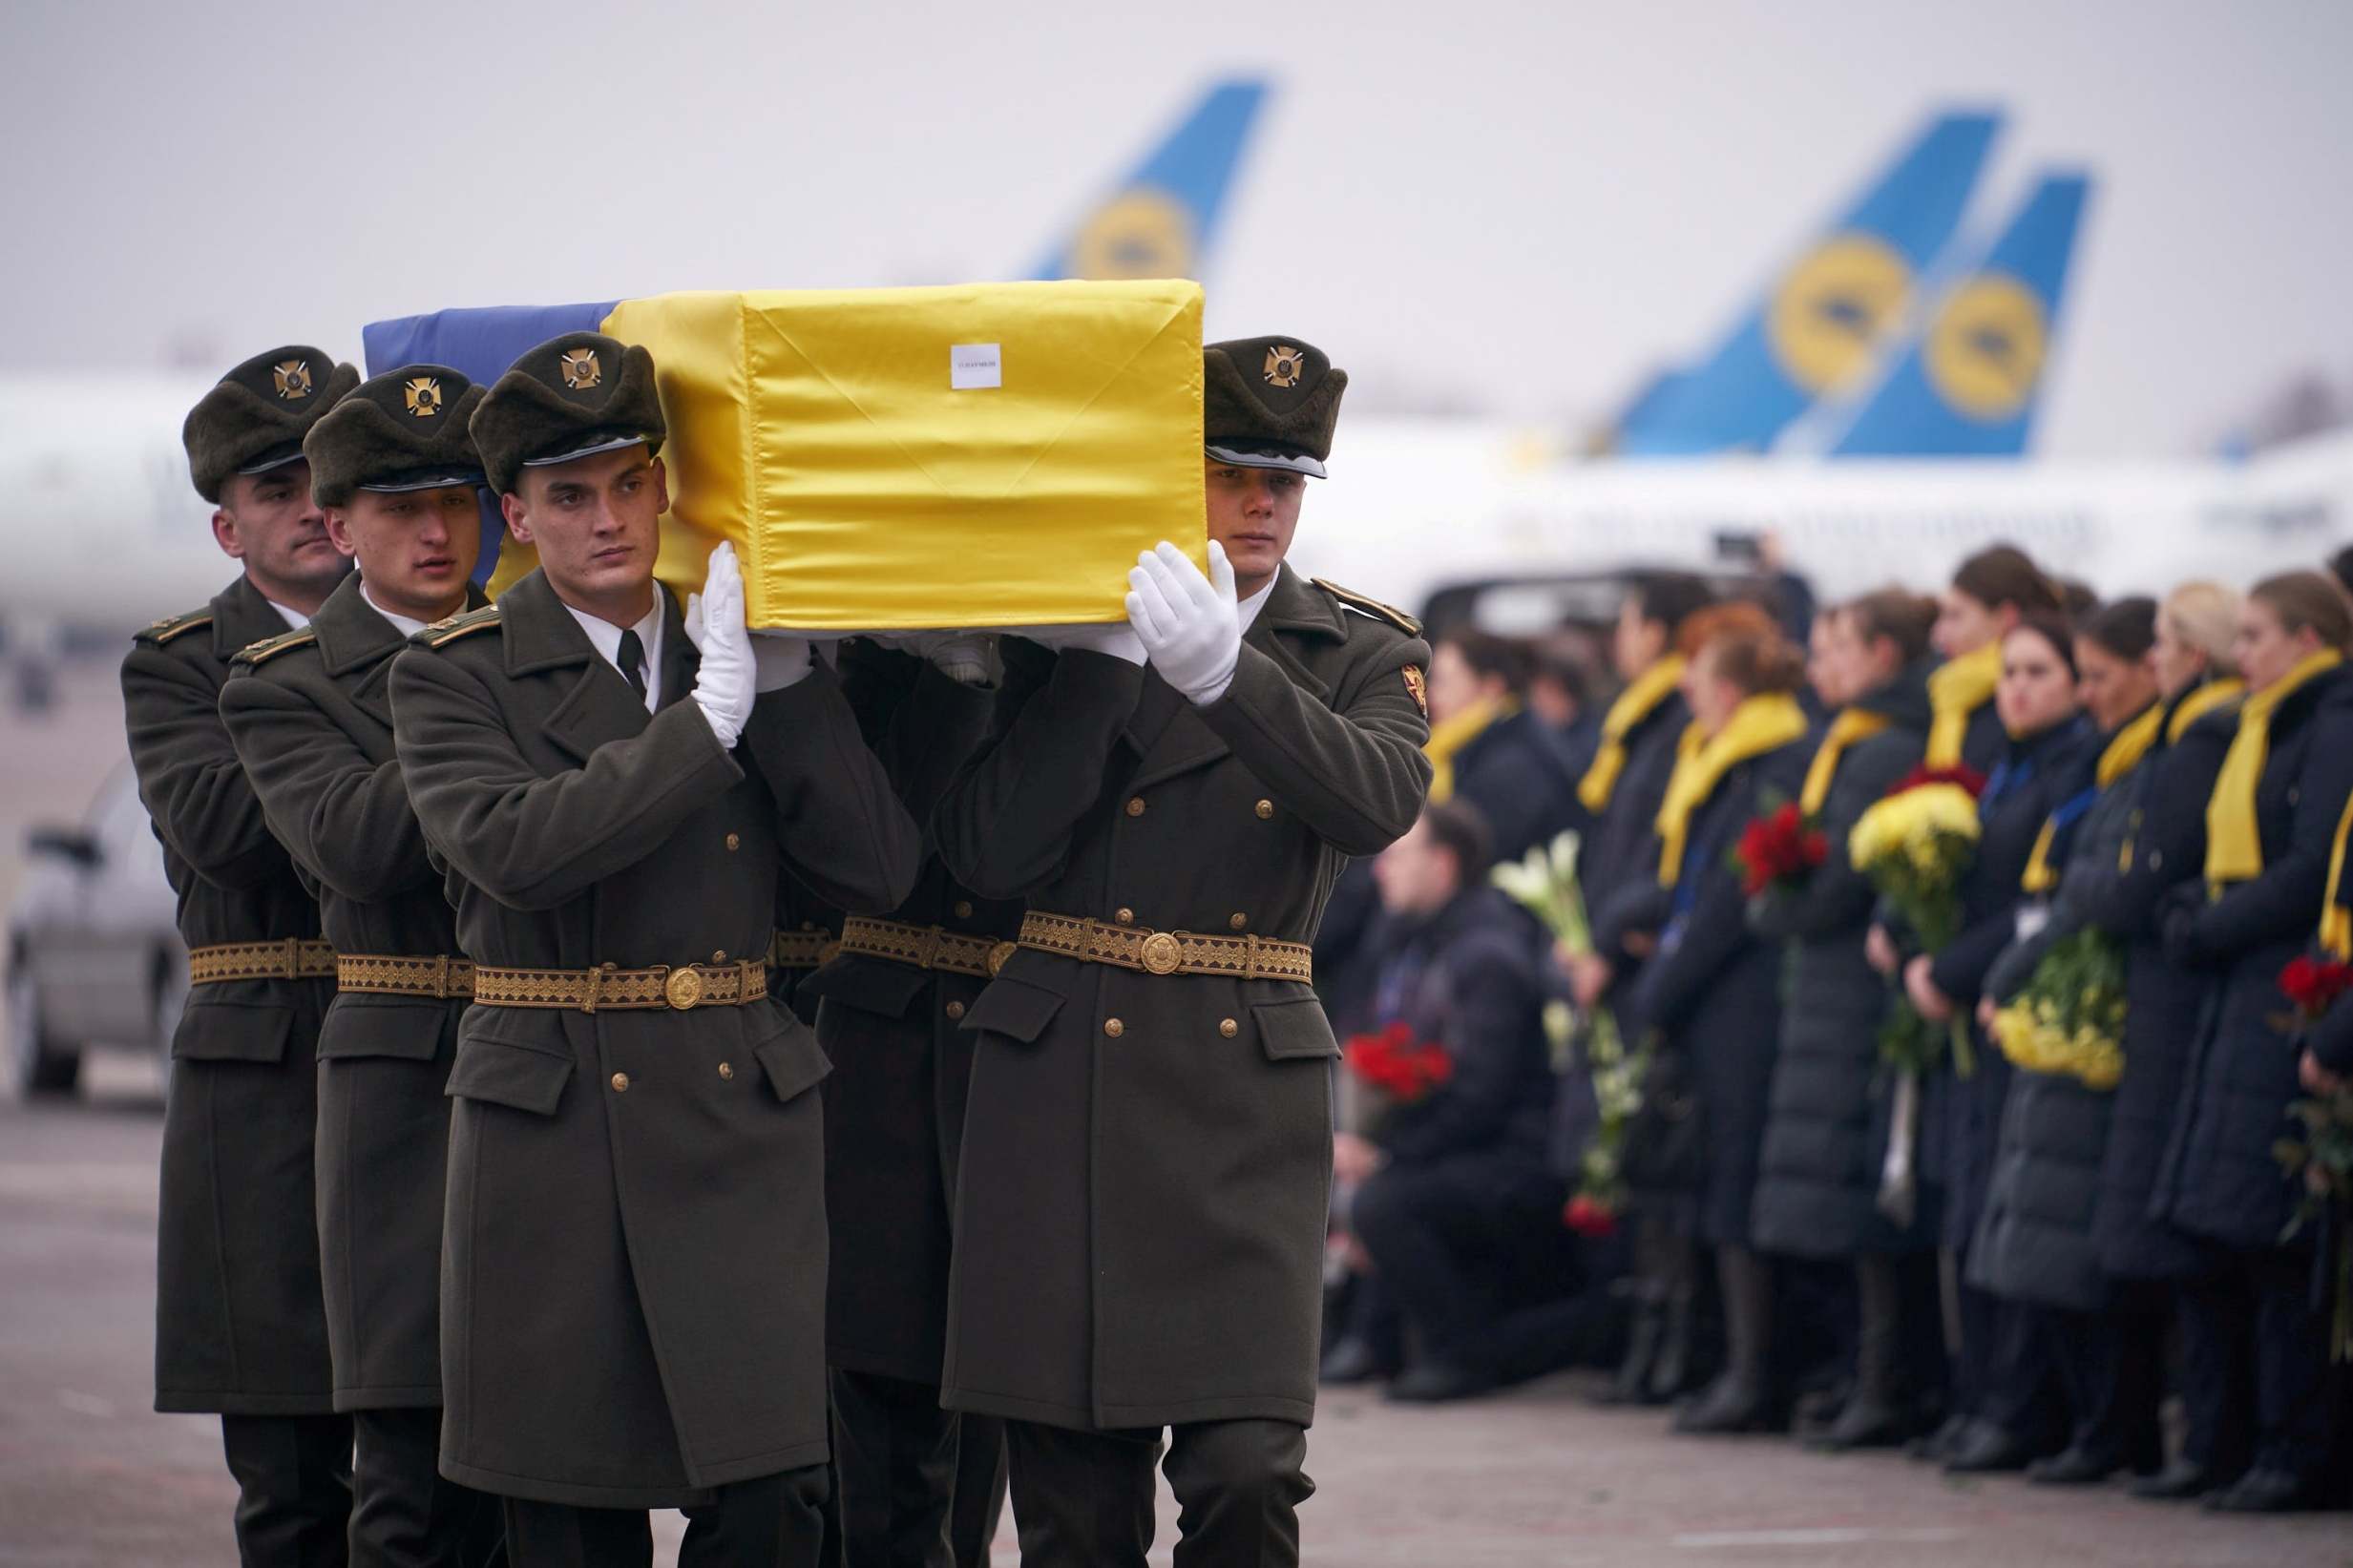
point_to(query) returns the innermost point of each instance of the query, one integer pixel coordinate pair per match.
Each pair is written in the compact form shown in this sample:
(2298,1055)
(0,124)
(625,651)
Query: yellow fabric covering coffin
(820,430)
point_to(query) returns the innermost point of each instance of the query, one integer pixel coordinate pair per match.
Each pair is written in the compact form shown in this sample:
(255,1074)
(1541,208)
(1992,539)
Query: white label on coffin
(974,366)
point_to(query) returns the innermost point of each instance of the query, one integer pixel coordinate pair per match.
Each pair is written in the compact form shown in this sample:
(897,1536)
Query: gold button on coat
(1239,921)
(620,1083)
(1266,809)
(1125,917)
(1114,1028)
(1135,805)
(719,957)
(726,1071)
(963,909)
(1229,1028)
(956,1011)
(735,841)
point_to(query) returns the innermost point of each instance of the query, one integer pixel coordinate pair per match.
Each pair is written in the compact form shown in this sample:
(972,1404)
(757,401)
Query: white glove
(724,684)
(1118,640)
(1189,624)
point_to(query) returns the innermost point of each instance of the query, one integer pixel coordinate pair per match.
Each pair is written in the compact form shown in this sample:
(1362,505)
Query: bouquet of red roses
(1404,1069)
(2314,985)
(1779,849)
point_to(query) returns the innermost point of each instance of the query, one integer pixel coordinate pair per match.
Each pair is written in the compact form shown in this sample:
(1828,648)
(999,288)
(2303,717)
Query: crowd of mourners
(1695,1147)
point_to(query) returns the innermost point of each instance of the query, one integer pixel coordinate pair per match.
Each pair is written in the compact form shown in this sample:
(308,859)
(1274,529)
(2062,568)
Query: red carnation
(1397,1064)
(1589,1218)
(2314,983)
(1779,846)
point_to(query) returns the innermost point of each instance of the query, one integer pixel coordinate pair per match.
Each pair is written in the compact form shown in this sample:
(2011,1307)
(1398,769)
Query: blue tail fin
(1161,219)
(1825,316)
(1968,384)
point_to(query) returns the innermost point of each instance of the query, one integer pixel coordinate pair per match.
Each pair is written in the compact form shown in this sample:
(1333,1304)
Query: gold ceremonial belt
(925,947)
(610,990)
(802,950)
(382,974)
(296,958)
(1169,953)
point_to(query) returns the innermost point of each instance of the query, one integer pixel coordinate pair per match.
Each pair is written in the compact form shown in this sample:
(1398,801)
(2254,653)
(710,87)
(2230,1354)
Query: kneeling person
(394,470)
(633,1266)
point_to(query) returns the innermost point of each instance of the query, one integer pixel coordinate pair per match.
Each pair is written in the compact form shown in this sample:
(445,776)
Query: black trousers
(2295,1384)
(2112,1364)
(919,1487)
(2002,1370)
(769,1521)
(2217,1314)
(1083,1499)
(293,1488)
(403,1512)
(1461,1241)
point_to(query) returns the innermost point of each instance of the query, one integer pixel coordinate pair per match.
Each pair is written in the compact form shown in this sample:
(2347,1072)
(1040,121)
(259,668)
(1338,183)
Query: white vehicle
(94,948)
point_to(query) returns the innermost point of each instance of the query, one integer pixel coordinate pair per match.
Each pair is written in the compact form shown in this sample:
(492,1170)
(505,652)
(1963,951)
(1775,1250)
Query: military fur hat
(1270,403)
(255,418)
(403,431)
(570,397)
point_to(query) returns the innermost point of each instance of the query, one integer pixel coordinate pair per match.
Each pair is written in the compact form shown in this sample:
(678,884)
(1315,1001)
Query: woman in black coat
(2163,1004)
(2271,822)
(1712,994)
(1999,1375)
(1827,1117)
(2034,1243)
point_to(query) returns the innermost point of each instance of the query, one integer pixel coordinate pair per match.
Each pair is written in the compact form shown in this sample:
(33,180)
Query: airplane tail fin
(1968,384)
(1161,219)
(1824,317)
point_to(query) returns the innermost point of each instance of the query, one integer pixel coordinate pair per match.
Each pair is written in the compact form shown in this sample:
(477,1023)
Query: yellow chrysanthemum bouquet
(2070,1019)
(1915,845)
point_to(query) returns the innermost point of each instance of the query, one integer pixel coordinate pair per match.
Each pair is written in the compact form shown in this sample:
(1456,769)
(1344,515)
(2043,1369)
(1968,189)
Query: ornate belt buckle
(1000,955)
(683,989)
(1161,954)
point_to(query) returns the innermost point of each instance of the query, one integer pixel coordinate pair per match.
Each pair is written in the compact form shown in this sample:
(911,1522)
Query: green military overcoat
(240,1324)
(1140,1205)
(312,719)
(633,1277)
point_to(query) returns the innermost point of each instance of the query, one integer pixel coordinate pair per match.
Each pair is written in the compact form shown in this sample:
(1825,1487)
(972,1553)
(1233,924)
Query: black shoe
(1864,1423)
(2176,1482)
(1986,1450)
(1436,1382)
(1353,1360)
(1630,1383)
(1935,1448)
(1730,1405)
(2261,1492)
(2072,1467)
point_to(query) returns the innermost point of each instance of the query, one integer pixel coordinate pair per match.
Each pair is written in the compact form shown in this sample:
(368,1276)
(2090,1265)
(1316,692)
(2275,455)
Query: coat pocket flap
(871,985)
(502,1073)
(408,1028)
(793,1059)
(1294,1028)
(233,1032)
(1015,1009)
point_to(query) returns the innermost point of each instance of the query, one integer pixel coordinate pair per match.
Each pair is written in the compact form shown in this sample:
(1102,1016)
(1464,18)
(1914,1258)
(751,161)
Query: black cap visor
(272,457)
(589,445)
(408,479)
(1265,454)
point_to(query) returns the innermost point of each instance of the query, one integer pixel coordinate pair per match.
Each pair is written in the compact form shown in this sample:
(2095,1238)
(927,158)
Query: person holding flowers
(2165,849)
(1998,1373)
(2053,1005)
(1826,1121)
(2271,822)
(1712,990)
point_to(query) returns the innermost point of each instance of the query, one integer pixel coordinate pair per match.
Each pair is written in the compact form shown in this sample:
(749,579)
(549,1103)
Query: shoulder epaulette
(172,626)
(270,647)
(1374,608)
(441,632)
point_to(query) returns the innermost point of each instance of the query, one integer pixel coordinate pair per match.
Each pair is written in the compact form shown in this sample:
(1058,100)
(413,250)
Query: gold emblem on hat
(581,369)
(1285,366)
(424,394)
(292,379)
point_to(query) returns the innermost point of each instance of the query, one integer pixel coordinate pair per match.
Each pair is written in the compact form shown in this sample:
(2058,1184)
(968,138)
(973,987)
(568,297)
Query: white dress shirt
(1250,607)
(402,624)
(295,620)
(606,636)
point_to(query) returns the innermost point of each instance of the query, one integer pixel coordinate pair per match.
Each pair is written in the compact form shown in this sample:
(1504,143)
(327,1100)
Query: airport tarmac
(90,1477)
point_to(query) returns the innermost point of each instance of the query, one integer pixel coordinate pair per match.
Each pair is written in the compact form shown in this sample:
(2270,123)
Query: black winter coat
(1965,1115)
(1516,774)
(1465,981)
(1713,991)
(2163,1002)
(1827,1118)
(1618,867)
(2219,1179)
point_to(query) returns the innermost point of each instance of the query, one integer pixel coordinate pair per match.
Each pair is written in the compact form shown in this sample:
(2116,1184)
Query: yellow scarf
(1638,701)
(1956,690)
(2202,702)
(2234,843)
(2336,920)
(2125,749)
(1852,724)
(1757,726)
(1447,740)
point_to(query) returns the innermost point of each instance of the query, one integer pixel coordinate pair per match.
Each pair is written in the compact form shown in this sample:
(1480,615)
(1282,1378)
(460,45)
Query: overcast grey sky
(1523,207)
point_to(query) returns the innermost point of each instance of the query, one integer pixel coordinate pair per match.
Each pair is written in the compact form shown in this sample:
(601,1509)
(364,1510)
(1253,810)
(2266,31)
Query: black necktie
(632,661)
